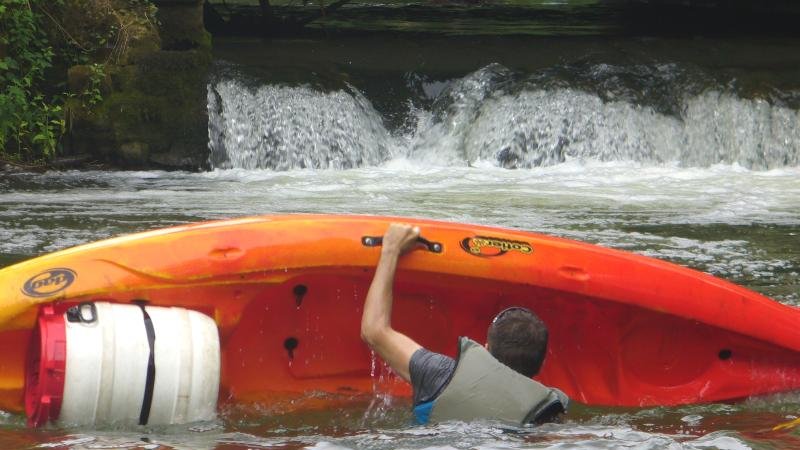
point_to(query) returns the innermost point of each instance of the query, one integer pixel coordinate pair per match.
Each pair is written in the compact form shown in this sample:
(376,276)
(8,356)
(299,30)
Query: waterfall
(654,116)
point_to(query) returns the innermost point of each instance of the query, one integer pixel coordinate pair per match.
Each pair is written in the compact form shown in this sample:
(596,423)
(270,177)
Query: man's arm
(376,325)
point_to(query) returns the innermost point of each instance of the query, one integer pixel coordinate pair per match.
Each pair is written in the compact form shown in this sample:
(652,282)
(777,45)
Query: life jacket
(481,387)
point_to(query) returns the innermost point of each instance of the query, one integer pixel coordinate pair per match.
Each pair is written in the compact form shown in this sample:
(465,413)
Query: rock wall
(153,108)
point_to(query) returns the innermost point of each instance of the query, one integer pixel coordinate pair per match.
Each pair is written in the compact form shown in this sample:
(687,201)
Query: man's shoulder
(429,372)
(424,359)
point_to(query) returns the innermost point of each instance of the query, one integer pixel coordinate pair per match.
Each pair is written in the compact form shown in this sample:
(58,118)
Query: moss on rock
(153,112)
(182,25)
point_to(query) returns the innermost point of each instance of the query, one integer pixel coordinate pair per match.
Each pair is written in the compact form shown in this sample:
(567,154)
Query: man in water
(493,384)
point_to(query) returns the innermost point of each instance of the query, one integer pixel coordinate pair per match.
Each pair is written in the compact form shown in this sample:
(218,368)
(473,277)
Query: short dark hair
(518,339)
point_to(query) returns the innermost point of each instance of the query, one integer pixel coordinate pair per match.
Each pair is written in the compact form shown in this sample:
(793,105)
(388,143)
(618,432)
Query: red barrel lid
(44,374)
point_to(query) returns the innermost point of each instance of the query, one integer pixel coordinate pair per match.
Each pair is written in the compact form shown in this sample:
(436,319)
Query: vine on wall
(31,121)
(39,40)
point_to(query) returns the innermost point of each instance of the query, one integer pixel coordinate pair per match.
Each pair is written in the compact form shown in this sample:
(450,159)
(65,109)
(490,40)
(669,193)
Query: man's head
(518,339)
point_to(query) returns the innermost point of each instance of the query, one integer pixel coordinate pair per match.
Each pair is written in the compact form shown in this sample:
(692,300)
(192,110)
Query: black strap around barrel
(147,399)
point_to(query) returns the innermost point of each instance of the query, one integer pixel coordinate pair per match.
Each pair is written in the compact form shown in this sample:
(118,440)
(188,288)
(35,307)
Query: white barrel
(107,366)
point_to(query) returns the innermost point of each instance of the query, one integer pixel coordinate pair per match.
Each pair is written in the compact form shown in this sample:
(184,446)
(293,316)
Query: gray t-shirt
(429,373)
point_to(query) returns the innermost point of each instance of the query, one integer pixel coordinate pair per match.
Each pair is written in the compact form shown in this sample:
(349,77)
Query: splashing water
(292,128)
(497,116)
(383,402)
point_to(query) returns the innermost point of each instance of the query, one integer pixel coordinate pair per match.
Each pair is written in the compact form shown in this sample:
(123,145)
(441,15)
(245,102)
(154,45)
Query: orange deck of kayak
(287,292)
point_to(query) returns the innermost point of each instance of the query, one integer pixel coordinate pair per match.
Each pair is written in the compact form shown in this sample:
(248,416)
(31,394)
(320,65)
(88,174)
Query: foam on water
(652,210)
(449,435)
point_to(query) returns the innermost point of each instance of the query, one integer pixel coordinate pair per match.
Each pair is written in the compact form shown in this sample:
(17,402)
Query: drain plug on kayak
(290,344)
(300,292)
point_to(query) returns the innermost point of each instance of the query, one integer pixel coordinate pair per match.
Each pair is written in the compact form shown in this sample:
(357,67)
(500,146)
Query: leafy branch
(36,40)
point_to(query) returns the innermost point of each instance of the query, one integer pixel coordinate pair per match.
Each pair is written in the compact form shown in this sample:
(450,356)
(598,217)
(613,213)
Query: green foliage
(92,94)
(39,40)
(30,123)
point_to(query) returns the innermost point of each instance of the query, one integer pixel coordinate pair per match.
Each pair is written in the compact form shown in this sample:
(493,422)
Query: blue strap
(422,412)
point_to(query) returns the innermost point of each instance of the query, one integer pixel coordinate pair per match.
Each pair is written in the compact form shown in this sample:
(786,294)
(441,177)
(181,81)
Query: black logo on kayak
(489,246)
(49,282)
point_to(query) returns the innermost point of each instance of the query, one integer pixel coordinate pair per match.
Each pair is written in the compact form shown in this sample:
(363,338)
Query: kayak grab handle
(375,241)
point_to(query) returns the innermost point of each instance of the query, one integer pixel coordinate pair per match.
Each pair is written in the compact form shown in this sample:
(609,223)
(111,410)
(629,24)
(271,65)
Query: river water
(682,149)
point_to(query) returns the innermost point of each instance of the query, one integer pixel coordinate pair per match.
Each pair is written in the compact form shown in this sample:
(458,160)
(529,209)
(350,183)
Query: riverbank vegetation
(40,41)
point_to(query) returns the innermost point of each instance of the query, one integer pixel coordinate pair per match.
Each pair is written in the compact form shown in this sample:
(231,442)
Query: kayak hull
(286,293)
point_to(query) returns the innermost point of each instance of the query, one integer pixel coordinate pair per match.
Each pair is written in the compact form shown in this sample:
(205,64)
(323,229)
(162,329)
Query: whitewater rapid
(505,119)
